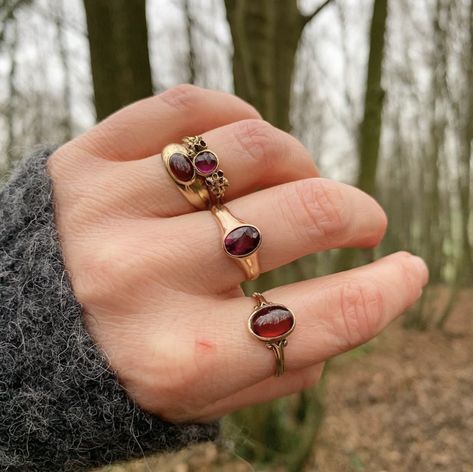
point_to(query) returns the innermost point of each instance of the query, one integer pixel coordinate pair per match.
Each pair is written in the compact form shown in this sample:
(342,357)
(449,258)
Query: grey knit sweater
(61,406)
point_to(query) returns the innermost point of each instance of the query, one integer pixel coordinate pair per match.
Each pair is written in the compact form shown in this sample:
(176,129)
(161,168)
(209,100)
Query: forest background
(381,93)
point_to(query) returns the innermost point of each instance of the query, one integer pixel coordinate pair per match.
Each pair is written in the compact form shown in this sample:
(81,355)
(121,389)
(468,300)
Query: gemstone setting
(271,322)
(181,167)
(205,163)
(242,241)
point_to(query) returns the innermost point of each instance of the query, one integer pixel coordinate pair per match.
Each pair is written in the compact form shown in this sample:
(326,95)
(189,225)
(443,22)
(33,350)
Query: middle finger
(295,219)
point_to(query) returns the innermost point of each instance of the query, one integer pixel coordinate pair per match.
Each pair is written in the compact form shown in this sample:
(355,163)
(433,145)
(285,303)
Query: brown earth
(405,403)
(406,406)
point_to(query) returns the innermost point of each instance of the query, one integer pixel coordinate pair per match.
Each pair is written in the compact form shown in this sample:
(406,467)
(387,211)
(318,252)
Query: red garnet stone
(272,321)
(242,241)
(181,167)
(206,162)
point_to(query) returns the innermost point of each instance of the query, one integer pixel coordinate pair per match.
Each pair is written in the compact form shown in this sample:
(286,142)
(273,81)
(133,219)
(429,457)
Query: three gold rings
(195,170)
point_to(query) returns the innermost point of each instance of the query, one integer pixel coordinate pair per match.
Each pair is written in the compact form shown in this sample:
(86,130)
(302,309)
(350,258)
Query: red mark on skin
(205,346)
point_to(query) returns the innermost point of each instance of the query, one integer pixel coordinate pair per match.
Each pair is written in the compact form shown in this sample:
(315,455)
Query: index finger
(145,127)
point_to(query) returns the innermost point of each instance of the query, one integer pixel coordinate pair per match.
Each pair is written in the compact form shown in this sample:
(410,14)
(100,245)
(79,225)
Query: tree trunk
(191,60)
(13,98)
(266,36)
(67,125)
(118,40)
(370,127)
(465,155)
(432,234)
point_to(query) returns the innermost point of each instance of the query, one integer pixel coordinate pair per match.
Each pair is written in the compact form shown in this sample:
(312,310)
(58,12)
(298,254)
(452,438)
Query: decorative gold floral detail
(194,144)
(217,184)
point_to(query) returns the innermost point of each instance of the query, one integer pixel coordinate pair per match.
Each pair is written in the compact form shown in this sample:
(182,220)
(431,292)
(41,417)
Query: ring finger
(334,314)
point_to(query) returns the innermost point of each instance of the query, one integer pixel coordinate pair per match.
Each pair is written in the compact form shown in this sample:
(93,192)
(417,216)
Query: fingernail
(421,268)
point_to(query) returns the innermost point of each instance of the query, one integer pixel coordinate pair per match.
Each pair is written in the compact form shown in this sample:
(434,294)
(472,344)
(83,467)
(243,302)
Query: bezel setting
(209,172)
(195,190)
(266,306)
(186,158)
(231,230)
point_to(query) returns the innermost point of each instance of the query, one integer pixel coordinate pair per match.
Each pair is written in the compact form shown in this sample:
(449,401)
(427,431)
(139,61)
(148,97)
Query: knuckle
(361,313)
(318,209)
(183,97)
(88,207)
(99,276)
(259,140)
(67,162)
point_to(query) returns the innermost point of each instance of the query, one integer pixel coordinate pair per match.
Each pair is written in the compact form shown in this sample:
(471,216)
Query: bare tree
(466,152)
(370,127)
(118,39)
(266,36)
(67,125)
(191,61)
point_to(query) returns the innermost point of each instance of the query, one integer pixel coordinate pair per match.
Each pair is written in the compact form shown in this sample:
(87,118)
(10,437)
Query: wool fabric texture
(61,405)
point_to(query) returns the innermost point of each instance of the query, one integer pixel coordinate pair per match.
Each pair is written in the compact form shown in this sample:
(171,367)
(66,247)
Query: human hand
(159,295)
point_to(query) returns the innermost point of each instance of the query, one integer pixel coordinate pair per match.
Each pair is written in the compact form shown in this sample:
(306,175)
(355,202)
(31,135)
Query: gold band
(250,239)
(194,169)
(278,349)
(191,185)
(272,323)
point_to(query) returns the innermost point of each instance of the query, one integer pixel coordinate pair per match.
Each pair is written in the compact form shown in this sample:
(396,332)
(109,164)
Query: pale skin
(159,295)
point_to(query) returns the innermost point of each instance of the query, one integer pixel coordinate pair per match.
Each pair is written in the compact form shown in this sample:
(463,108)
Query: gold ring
(181,170)
(272,323)
(194,168)
(240,240)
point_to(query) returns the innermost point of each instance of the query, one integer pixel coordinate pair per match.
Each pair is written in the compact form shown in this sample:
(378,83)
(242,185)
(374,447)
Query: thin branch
(307,18)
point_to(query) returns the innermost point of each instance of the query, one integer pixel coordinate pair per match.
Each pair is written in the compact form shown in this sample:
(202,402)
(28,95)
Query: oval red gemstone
(181,167)
(242,241)
(206,162)
(272,321)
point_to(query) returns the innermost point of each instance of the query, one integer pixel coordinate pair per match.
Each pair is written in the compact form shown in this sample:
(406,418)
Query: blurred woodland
(381,93)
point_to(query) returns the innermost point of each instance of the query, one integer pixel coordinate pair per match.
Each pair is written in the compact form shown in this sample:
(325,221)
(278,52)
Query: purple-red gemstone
(206,162)
(242,241)
(181,167)
(272,321)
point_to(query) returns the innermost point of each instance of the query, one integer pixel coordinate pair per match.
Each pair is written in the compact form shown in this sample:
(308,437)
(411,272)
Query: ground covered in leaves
(403,403)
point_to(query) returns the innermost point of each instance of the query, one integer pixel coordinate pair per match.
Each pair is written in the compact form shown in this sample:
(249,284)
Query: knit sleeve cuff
(61,406)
